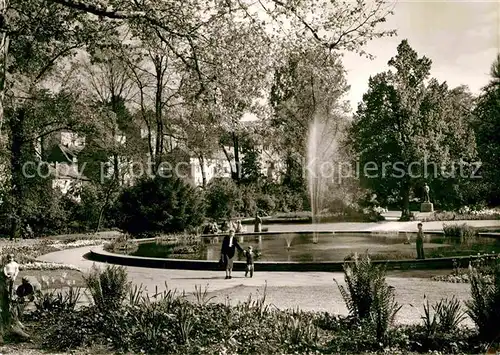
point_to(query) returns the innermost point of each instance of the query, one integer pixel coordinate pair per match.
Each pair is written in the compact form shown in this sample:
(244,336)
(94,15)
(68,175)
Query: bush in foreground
(368,297)
(484,306)
(167,323)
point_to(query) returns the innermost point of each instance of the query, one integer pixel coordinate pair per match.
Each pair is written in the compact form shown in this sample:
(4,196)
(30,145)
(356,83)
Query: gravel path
(410,294)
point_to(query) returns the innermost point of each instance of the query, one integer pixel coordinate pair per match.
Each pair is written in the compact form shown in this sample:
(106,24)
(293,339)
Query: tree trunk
(203,172)
(4,51)
(158,113)
(106,201)
(5,313)
(229,160)
(405,203)
(116,167)
(237,163)
(9,317)
(16,124)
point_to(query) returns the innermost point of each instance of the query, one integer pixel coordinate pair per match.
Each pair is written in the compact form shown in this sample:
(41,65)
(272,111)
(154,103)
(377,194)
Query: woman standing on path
(228,250)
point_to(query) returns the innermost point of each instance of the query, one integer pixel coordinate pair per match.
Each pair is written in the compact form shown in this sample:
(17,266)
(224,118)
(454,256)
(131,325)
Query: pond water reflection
(317,247)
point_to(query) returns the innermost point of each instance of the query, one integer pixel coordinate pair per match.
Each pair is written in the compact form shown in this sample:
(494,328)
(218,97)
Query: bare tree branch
(117,14)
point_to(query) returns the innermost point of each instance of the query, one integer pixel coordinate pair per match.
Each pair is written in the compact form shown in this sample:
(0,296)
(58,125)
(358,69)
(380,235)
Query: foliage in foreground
(368,297)
(484,306)
(126,319)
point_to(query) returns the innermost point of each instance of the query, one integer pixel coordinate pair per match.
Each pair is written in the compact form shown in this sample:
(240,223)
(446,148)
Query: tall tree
(184,25)
(201,135)
(307,98)
(487,128)
(407,128)
(40,38)
(157,83)
(251,161)
(221,43)
(109,88)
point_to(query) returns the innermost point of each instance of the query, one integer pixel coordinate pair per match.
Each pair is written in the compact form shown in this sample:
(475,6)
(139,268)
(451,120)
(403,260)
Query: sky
(462,38)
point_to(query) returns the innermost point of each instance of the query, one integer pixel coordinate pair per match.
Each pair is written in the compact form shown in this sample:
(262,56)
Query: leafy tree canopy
(407,121)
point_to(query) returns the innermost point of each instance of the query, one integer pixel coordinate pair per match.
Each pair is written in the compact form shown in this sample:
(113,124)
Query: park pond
(321,247)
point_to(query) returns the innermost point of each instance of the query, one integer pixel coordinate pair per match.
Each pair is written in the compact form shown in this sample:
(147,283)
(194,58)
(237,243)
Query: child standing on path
(250,267)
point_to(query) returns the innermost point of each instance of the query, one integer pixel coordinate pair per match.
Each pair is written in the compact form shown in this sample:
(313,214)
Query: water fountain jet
(321,146)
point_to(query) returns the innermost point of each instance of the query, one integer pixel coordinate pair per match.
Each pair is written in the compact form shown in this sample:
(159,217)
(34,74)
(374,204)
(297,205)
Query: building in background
(60,151)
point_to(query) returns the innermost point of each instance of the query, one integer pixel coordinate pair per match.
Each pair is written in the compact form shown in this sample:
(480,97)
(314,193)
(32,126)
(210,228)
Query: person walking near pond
(420,242)
(228,251)
(258,224)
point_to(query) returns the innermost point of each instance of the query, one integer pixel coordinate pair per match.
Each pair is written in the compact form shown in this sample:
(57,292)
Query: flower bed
(26,254)
(463,278)
(47,266)
(77,244)
(464,214)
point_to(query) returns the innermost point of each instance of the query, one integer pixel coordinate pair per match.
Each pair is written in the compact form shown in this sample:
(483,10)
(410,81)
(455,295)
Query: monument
(427,205)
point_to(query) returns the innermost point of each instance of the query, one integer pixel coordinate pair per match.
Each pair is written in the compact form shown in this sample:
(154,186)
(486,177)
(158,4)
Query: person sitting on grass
(250,266)
(11,270)
(228,251)
(420,242)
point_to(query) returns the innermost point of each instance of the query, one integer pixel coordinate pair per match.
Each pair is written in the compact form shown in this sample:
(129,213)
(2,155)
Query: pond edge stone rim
(98,254)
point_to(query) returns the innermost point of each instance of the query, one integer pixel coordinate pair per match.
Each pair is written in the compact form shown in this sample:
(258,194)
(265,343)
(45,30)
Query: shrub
(167,323)
(85,214)
(266,204)
(122,244)
(441,329)
(108,287)
(223,199)
(50,214)
(460,341)
(462,233)
(446,318)
(471,215)
(160,205)
(484,305)
(354,340)
(152,323)
(57,300)
(297,331)
(248,205)
(73,329)
(368,297)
